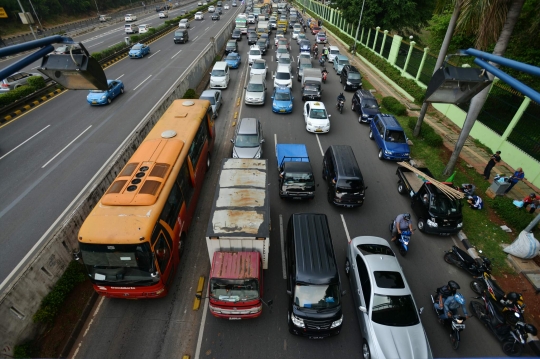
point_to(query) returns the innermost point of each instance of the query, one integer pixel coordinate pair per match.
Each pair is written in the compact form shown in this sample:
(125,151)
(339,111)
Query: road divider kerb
(29,106)
(200,286)
(238,102)
(235,115)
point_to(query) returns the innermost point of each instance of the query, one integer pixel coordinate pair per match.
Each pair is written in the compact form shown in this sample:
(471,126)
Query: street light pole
(29,25)
(95,1)
(358,28)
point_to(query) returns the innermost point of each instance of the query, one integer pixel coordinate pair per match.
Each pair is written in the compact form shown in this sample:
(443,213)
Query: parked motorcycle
(508,306)
(402,240)
(463,260)
(512,337)
(456,323)
(340,106)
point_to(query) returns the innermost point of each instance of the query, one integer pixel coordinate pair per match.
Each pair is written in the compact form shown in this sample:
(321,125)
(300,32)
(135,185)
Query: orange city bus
(131,242)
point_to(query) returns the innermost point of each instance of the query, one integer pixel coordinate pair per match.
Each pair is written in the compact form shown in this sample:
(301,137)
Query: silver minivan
(219,77)
(248,139)
(255,90)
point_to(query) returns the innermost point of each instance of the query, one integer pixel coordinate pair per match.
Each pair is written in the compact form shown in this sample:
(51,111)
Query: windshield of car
(395,136)
(258,65)
(295,178)
(282,96)
(255,87)
(343,62)
(231,44)
(218,73)
(254,52)
(284,60)
(318,113)
(354,76)
(317,296)
(350,186)
(234,290)
(179,33)
(334,52)
(247,141)
(232,56)
(441,205)
(369,103)
(136,47)
(282,50)
(394,310)
(283,76)
(118,263)
(311,87)
(236,32)
(209,98)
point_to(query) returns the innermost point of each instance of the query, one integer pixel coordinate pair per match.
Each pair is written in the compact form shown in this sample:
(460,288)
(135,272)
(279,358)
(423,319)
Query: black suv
(237,34)
(252,38)
(365,104)
(231,47)
(350,78)
(181,36)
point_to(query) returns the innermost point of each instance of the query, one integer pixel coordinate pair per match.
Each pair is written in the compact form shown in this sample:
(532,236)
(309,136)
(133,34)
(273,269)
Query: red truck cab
(235,285)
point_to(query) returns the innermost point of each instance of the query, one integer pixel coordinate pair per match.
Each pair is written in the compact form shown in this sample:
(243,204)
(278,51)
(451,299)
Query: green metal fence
(402,54)
(414,61)
(526,134)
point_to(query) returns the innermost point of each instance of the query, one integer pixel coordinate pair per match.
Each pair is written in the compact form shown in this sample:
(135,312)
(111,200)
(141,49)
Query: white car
(333,51)
(183,24)
(254,53)
(251,19)
(384,305)
(295,34)
(199,15)
(283,77)
(130,17)
(285,60)
(316,118)
(304,55)
(163,15)
(226,7)
(211,9)
(205,3)
(143,28)
(278,36)
(199,3)
(258,67)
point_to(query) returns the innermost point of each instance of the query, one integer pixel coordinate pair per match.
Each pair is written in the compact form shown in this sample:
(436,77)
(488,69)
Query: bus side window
(172,206)
(185,184)
(208,123)
(163,253)
(197,145)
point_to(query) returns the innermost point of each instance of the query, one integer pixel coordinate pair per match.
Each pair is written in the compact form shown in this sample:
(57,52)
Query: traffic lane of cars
(67,122)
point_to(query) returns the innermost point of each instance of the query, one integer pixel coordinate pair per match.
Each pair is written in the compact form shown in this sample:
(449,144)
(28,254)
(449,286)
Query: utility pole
(29,25)
(358,28)
(40,25)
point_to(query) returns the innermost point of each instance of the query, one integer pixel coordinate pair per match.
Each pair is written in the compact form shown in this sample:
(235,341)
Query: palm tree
(488,20)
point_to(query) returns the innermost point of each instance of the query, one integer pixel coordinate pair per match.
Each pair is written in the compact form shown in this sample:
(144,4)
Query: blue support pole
(530,69)
(29,45)
(19,65)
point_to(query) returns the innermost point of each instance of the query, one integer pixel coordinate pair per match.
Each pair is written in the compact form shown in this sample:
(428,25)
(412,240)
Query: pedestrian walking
(519,175)
(493,160)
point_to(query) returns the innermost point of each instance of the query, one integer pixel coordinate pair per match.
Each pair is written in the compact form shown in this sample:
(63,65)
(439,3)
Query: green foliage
(37,82)
(16,94)
(25,350)
(514,217)
(433,139)
(394,106)
(52,302)
(190,93)
(110,50)
(428,134)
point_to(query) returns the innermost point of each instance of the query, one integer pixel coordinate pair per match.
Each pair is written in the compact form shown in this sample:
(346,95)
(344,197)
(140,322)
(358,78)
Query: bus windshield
(118,263)
(234,290)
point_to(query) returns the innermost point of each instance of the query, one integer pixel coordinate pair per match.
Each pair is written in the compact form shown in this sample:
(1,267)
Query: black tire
(477,287)
(182,246)
(450,258)
(366,353)
(121,90)
(344,87)
(371,135)
(329,197)
(402,251)
(381,156)
(341,109)
(454,341)
(421,225)
(323,175)
(347,267)
(340,79)
(109,101)
(401,188)
(208,162)
(512,348)
(477,308)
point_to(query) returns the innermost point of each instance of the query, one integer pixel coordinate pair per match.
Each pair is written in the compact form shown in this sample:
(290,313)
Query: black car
(365,104)
(252,38)
(350,77)
(215,16)
(231,47)
(262,45)
(181,36)
(237,34)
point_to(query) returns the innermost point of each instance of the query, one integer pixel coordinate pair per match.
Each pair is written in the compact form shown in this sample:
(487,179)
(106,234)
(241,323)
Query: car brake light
(4,85)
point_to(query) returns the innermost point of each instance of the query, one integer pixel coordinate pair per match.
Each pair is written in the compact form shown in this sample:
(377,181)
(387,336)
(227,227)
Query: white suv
(254,53)
(130,17)
(333,51)
(282,77)
(199,15)
(316,117)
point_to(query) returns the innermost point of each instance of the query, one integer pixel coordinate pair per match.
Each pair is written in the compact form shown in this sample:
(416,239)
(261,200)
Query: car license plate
(234,318)
(318,130)
(94,101)
(297,198)
(282,110)
(316,337)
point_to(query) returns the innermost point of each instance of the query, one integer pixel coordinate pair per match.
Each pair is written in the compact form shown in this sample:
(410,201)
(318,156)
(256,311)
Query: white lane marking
(142,82)
(282,247)
(94,44)
(201,329)
(346,230)
(176,54)
(319,142)
(207,28)
(63,149)
(34,135)
(119,77)
(155,53)
(195,38)
(272,58)
(88,328)
(33,68)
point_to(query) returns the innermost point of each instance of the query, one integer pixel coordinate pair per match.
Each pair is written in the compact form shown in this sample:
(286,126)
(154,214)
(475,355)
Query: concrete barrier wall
(22,295)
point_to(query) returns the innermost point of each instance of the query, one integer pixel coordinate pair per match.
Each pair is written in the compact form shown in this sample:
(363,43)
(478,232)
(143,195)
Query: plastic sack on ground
(518,204)
(525,246)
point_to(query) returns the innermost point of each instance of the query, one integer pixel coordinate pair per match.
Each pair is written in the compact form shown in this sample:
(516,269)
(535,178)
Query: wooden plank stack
(450,192)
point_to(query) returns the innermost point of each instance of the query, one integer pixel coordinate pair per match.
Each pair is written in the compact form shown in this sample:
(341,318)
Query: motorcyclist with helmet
(451,306)
(512,298)
(324,72)
(401,223)
(341,97)
(450,289)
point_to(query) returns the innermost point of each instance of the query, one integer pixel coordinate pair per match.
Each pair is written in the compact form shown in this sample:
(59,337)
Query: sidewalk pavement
(474,156)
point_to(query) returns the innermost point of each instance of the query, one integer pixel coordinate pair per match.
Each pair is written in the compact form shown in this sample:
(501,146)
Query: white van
(143,28)
(219,77)
(282,77)
(183,24)
(131,28)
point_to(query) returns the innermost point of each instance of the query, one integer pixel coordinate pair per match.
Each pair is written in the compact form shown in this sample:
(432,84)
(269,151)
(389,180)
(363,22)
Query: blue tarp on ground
(293,153)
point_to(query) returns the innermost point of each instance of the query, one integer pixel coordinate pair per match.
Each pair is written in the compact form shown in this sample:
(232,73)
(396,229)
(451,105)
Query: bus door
(162,247)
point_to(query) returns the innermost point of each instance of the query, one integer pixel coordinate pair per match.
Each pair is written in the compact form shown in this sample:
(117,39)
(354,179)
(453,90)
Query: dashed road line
(34,135)
(63,149)
(346,230)
(142,82)
(155,53)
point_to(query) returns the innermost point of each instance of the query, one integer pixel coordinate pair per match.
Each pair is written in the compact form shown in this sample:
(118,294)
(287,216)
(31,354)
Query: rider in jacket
(444,292)
(401,223)
(451,306)
(341,97)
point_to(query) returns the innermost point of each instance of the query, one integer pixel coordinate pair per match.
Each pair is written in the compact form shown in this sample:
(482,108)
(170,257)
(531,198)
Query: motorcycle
(403,240)
(324,75)
(456,323)
(340,105)
(321,61)
(486,283)
(463,260)
(513,337)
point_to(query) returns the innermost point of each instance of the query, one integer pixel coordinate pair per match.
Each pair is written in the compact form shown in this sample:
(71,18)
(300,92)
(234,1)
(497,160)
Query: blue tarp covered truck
(296,178)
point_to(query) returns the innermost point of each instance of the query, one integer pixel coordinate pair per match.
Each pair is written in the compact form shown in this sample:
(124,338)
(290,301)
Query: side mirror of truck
(232,140)
(262,141)
(76,254)
(289,293)
(343,292)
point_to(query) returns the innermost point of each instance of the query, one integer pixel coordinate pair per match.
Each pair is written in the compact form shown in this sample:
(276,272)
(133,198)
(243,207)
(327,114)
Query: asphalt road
(48,155)
(169,327)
